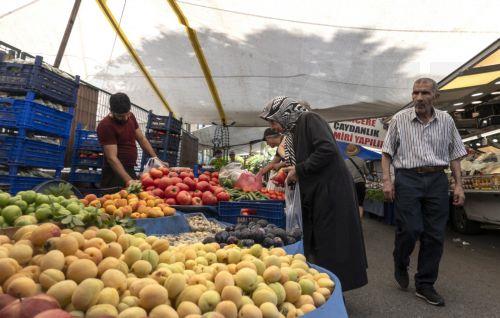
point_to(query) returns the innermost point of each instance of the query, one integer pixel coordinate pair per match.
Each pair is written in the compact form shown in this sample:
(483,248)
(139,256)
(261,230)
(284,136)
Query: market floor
(469,278)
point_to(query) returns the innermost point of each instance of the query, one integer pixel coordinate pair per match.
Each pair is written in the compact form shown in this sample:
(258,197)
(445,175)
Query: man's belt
(427,169)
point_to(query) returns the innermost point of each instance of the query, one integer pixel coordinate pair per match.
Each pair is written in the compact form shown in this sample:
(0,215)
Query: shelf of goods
(87,157)
(36,111)
(481,183)
(164,134)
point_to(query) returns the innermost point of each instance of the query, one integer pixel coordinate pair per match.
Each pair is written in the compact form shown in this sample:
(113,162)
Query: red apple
(6,299)
(215,180)
(182,186)
(190,183)
(171,192)
(213,183)
(204,177)
(158,192)
(151,188)
(196,201)
(155,173)
(171,201)
(223,196)
(183,198)
(203,186)
(184,174)
(215,174)
(191,175)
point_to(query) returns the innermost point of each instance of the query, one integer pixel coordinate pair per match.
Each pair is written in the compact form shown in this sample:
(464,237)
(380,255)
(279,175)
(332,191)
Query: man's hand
(458,195)
(388,188)
(291,175)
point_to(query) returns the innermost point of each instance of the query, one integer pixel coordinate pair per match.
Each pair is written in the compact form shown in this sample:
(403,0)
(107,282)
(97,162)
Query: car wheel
(462,224)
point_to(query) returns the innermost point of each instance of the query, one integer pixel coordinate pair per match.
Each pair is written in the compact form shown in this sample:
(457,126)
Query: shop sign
(363,132)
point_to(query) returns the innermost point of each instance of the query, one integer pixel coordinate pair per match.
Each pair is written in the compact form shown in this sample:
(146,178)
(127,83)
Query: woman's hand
(291,174)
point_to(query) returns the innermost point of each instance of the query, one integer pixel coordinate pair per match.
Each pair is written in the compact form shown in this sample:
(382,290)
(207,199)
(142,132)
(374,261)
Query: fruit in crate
(173,183)
(148,275)
(124,204)
(257,232)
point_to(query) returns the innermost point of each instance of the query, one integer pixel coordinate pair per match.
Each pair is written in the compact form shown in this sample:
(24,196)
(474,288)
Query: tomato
(155,173)
(183,198)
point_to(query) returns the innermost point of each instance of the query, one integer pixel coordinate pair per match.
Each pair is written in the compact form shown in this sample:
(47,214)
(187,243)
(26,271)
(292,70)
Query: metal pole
(67,32)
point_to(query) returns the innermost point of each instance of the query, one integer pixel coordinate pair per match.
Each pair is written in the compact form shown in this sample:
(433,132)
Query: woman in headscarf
(333,237)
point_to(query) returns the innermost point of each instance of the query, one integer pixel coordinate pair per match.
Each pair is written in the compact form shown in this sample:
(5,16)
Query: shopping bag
(249,182)
(154,163)
(293,208)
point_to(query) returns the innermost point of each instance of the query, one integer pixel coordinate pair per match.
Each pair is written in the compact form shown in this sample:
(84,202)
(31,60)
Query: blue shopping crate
(24,114)
(85,177)
(166,123)
(26,78)
(271,211)
(86,140)
(19,183)
(25,152)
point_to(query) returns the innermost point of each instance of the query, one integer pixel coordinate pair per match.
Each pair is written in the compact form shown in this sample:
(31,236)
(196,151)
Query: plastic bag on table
(154,163)
(231,171)
(249,182)
(293,208)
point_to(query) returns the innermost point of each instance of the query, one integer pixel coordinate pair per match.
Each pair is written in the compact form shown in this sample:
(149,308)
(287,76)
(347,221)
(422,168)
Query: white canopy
(360,54)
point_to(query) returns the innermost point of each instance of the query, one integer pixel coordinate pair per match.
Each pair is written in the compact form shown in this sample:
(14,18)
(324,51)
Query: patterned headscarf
(285,111)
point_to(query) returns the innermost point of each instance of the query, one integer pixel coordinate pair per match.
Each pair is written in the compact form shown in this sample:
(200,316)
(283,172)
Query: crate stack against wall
(36,110)
(164,134)
(87,157)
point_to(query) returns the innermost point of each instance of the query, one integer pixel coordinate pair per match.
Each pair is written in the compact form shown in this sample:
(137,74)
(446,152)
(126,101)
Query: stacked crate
(33,134)
(164,134)
(87,157)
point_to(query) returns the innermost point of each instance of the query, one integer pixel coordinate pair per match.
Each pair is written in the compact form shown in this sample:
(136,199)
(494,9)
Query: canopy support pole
(193,38)
(67,33)
(111,19)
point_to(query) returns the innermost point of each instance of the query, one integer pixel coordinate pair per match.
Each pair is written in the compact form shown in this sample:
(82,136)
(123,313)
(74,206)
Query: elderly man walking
(421,142)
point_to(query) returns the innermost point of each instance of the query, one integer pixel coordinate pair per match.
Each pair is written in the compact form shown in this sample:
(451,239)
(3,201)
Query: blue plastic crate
(88,162)
(23,114)
(85,177)
(86,140)
(166,123)
(25,78)
(19,183)
(271,211)
(25,152)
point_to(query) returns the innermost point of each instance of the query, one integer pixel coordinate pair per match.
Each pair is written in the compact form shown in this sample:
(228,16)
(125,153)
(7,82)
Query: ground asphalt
(469,278)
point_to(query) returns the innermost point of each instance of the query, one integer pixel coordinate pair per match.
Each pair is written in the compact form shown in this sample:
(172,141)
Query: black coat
(333,237)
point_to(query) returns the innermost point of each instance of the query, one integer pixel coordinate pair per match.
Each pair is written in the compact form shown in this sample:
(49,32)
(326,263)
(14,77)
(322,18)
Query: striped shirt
(412,144)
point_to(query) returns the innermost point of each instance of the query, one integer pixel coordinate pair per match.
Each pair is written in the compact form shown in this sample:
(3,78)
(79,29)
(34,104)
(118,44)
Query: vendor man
(421,142)
(117,135)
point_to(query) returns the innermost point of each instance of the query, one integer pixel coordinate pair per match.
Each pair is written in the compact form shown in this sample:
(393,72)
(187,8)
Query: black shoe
(401,276)
(430,295)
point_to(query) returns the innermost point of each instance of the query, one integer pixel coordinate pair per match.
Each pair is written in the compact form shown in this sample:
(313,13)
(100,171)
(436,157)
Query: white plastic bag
(231,171)
(293,208)
(154,163)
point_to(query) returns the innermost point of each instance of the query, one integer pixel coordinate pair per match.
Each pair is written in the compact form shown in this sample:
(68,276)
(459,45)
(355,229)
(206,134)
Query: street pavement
(469,278)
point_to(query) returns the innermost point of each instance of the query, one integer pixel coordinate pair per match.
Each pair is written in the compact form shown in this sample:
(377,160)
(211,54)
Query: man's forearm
(457,172)
(386,167)
(146,146)
(117,167)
